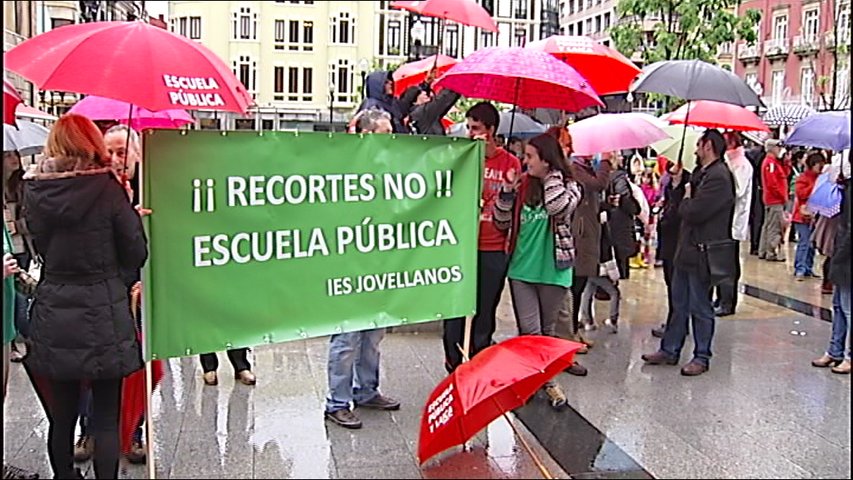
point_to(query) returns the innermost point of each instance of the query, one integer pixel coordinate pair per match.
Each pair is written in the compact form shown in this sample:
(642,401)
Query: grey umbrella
(28,139)
(695,80)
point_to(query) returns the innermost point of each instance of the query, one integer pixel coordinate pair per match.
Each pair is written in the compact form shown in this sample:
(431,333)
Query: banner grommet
(224,133)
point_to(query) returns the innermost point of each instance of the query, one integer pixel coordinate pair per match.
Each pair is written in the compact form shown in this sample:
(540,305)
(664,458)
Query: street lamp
(331,105)
(363,67)
(418,34)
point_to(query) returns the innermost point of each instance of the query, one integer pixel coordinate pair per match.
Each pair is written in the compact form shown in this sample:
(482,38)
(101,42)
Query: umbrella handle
(542,468)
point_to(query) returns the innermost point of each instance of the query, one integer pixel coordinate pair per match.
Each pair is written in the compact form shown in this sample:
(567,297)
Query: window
(580,28)
(307,84)
(266,124)
(606,21)
(504,8)
(308,36)
(519,37)
(504,31)
(780,27)
(571,8)
(489,6)
(597,23)
(60,22)
(293,84)
(807,86)
(182,26)
(278,83)
(751,79)
(811,24)
(842,84)
(778,85)
(580,5)
(245,24)
(520,9)
(394,36)
(293,37)
(487,39)
(279,34)
(343,28)
(246,70)
(195,28)
(588,26)
(571,30)
(844,24)
(451,41)
(341,76)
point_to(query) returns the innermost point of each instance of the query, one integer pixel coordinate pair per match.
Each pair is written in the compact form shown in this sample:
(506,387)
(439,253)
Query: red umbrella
(466,12)
(11,100)
(134,62)
(500,378)
(413,73)
(607,70)
(710,114)
(521,76)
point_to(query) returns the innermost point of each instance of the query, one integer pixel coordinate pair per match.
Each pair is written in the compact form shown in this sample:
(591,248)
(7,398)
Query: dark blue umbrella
(829,130)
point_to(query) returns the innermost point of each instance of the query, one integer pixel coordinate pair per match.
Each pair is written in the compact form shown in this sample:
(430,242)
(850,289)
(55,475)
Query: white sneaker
(613,327)
(589,326)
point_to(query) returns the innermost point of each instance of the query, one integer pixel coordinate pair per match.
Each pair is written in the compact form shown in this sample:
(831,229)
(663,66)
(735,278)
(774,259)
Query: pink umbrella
(100,108)
(711,114)
(521,76)
(615,131)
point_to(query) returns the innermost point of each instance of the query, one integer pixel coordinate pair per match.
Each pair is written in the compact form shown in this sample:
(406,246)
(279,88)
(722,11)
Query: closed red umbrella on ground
(466,12)
(499,379)
(413,73)
(607,70)
(11,100)
(520,76)
(134,62)
(710,114)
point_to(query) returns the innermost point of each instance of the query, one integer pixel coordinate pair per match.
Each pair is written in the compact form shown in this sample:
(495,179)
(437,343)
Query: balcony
(749,53)
(724,49)
(776,48)
(806,45)
(831,42)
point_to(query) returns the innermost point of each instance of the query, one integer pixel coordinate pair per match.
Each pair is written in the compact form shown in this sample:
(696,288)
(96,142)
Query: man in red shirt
(774,181)
(482,120)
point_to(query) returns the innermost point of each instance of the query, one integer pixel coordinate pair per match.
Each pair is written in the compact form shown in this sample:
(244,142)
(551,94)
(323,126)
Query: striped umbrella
(786,115)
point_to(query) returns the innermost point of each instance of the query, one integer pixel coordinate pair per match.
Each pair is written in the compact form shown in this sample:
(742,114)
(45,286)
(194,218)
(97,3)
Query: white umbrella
(522,126)
(28,139)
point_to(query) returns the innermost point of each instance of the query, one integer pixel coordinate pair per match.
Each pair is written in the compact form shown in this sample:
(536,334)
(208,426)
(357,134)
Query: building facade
(802,54)
(305,62)
(19,24)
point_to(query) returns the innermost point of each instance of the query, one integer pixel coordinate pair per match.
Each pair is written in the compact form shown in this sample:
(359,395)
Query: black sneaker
(380,402)
(344,418)
(11,472)
(659,332)
(577,370)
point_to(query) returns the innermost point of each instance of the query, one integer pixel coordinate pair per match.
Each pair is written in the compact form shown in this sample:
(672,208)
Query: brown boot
(246,377)
(137,454)
(84,448)
(825,361)
(843,368)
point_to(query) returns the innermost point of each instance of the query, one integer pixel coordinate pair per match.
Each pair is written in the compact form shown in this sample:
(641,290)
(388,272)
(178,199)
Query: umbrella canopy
(695,80)
(28,139)
(670,147)
(413,73)
(11,100)
(709,114)
(830,130)
(466,12)
(100,108)
(522,126)
(520,76)
(786,115)
(607,70)
(27,111)
(607,132)
(130,61)
(500,378)
(826,196)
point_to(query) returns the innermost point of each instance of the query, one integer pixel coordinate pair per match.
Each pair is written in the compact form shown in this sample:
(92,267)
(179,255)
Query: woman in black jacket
(86,233)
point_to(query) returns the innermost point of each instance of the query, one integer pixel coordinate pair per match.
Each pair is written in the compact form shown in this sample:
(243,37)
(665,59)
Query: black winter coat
(839,266)
(707,215)
(621,219)
(670,221)
(86,232)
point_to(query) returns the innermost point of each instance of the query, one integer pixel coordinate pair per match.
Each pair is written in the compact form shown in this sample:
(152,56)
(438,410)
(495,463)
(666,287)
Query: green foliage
(680,29)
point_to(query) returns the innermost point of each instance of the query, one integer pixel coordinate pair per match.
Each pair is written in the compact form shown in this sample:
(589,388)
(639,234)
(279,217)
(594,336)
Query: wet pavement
(761,411)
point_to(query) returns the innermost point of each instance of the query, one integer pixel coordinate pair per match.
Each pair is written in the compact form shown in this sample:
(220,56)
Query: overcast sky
(157,8)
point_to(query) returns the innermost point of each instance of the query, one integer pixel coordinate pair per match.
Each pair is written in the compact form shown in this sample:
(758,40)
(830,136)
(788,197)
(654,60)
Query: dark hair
(486,113)
(797,154)
(513,140)
(734,139)
(718,143)
(550,152)
(815,158)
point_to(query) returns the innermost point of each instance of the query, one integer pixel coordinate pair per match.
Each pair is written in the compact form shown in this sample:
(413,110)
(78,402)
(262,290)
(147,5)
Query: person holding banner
(482,120)
(354,356)
(86,233)
(536,209)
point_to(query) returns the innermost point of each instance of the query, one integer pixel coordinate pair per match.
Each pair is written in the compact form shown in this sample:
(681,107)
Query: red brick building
(798,56)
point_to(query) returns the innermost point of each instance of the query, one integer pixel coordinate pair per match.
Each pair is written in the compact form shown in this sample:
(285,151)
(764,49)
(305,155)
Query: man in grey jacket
(706,212)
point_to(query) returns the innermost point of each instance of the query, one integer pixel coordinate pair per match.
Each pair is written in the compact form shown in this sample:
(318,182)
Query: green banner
(266,237)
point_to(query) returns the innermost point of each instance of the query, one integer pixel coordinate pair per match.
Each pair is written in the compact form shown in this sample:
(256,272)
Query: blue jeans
(353,368)
(840,323)
(691,297)
(804,257)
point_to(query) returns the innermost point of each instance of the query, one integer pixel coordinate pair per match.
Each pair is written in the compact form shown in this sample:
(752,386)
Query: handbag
(720,259)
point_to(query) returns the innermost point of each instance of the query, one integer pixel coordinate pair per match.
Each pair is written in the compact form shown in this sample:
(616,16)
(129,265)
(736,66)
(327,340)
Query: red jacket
(774,181)
(803,188)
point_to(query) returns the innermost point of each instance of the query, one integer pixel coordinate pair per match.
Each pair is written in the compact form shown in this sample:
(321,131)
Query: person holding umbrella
(706,212)
(380,95)
(536,208)
(86,232)
(802,218)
